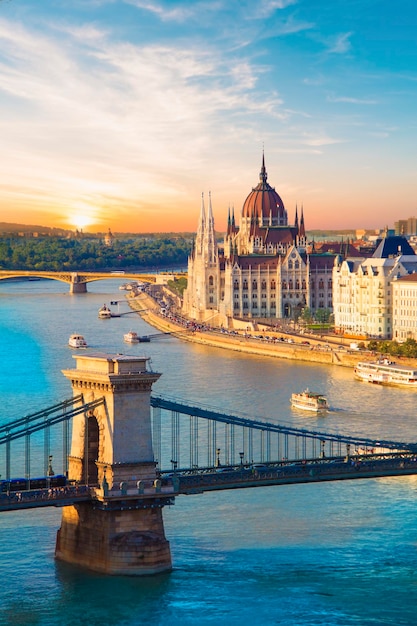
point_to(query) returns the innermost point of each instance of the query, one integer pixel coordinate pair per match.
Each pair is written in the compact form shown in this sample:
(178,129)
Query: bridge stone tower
(121,530)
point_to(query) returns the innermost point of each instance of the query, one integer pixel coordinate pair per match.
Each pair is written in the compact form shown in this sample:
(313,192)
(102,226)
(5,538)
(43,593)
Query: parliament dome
(264,203)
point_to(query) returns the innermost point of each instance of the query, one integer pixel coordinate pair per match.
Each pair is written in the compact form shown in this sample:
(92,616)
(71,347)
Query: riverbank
(314,351)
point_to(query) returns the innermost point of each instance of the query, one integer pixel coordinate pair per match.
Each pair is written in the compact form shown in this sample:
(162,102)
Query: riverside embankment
(316,352)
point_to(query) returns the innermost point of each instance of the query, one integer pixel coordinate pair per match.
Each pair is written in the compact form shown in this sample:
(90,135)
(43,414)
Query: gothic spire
(201,229)
(302,230)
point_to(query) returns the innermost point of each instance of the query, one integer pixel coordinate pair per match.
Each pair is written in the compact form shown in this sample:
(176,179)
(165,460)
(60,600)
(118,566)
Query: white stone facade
(363,294)
(404,316)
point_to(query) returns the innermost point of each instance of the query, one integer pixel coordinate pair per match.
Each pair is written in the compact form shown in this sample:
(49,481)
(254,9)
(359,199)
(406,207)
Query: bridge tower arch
(111,451)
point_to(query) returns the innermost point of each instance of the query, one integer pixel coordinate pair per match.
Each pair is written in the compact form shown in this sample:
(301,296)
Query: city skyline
(120,113)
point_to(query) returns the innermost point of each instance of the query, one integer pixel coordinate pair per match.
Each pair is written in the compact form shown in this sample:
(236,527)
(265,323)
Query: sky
(121,114)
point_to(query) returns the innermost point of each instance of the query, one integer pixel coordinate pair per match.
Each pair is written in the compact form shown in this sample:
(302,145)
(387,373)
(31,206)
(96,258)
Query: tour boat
(77,341)
(309,401)
(386,372)
(104,312)
(131,337)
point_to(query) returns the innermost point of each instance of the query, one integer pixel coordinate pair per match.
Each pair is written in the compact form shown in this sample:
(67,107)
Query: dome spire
(263,175)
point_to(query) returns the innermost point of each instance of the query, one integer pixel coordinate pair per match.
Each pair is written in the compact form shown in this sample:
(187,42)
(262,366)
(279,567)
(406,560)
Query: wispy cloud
(339,44)
(177,13)
(351,100)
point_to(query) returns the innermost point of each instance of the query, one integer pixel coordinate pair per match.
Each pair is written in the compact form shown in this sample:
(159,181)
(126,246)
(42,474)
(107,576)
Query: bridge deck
(192,481)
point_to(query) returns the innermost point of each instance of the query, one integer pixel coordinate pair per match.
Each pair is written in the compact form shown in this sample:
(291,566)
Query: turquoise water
(333,554)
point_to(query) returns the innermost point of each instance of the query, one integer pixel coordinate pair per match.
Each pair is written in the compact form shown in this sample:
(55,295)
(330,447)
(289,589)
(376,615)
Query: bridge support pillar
(120,531)
(76,286)
(121,542)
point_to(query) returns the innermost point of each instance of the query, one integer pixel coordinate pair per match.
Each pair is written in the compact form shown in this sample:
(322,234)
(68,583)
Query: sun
(80,221)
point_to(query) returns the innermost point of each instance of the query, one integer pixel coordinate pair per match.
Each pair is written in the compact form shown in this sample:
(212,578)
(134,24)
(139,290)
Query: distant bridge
(78,280)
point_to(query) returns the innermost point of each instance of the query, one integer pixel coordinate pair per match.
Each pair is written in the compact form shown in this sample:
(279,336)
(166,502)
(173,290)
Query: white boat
(131,337)
(104,312)
(386,372)
(77,341)
(309,401)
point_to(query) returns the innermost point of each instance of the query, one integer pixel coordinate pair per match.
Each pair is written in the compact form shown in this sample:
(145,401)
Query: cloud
(351,100)
(339,44)
(179,13)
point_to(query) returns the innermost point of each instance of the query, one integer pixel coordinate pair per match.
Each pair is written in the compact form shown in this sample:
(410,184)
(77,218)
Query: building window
(211,281)
(245,285)
(236,284)
(254,284)
(263,284)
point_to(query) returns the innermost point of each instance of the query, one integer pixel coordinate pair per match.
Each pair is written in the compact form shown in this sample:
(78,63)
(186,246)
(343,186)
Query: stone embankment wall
(149,311)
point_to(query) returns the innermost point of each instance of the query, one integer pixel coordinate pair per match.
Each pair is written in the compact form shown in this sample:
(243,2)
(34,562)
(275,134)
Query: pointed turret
(302,230)
(201,229)
(210,245)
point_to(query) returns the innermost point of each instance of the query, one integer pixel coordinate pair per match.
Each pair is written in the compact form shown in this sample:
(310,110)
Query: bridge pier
(76,286)
(120,532)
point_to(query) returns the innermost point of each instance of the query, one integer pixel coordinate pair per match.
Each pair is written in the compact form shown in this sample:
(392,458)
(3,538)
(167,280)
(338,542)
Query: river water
(334,554)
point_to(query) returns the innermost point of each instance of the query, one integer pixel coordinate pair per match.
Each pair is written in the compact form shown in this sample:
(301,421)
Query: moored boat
(104,312)
(77,341)
(386,372)
(131,337)
(309,401)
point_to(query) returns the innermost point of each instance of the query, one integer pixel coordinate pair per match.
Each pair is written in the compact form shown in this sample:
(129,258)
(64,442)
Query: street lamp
(217,457)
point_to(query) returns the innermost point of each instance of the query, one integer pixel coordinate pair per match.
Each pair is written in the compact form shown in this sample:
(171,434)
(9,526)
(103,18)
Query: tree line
(57,254)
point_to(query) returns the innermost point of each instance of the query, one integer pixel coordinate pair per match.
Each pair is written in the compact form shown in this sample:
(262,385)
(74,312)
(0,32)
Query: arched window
(330,283)
(273,284)
(290,265)
(254,284)
(263,284)
(236,284)
(284,284)
(304,284)
(245,284)
(297,284)
(290,285)
(321,284)
(297,265)
(211,281)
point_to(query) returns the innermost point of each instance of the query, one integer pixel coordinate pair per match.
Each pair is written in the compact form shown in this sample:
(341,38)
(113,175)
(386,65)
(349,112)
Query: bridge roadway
(195,481)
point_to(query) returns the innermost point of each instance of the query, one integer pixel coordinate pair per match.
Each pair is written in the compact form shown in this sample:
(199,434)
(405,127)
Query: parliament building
(265,270)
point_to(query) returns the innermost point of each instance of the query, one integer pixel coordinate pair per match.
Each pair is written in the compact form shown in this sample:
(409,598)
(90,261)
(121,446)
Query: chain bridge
(114,455)
(197,449)
(78,280)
